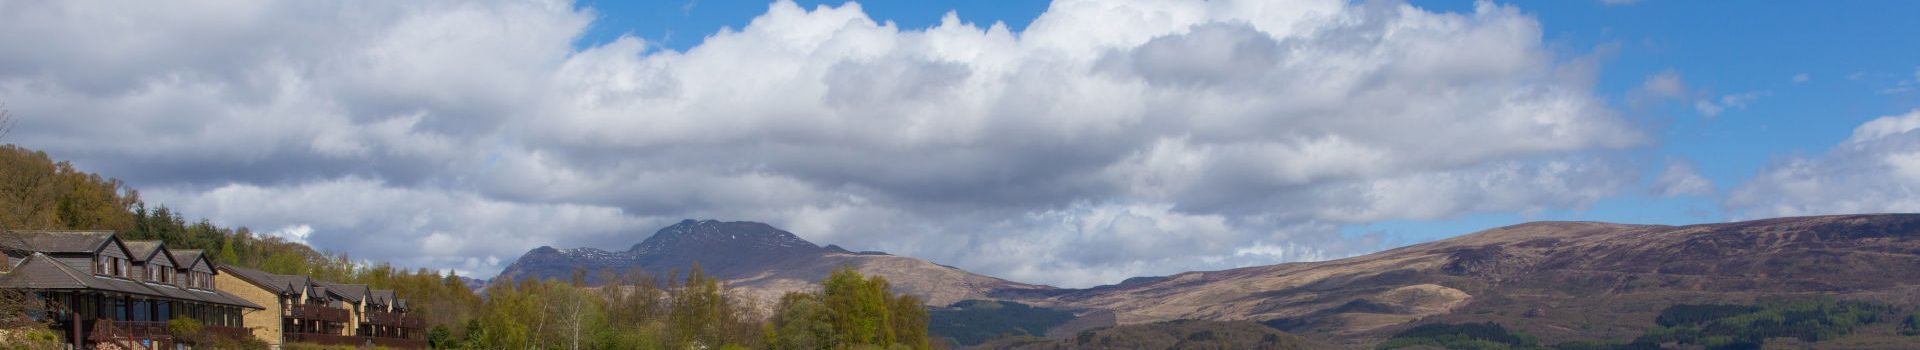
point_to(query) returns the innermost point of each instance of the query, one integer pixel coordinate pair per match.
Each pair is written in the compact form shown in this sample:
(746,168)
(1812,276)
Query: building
(100,291)
(305,310)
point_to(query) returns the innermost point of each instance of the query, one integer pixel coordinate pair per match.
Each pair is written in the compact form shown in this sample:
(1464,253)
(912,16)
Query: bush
(1911,326)
(29,338)
(241,343)
(972,322)
(440,337)
(1685,314)
(1716,326)
(185,330)
(305,346)
(1487,335)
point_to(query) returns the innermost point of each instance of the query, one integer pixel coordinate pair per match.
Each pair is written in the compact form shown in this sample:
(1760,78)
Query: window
(100,266)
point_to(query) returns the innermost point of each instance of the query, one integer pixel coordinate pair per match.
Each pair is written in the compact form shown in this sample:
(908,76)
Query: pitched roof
(141,251)
(274,283)
(42,272)
(38,271)
(222,297)
(349,292)
(382,297)
(55,241)
(300,283)
(187,255)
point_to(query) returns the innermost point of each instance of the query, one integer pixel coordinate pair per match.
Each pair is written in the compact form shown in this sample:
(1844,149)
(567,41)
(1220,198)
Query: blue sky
(1084,142)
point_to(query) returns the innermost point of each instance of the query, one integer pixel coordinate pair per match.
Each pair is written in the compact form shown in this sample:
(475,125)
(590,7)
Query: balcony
(317,312)
(336,339)
(393,319)
(130,334)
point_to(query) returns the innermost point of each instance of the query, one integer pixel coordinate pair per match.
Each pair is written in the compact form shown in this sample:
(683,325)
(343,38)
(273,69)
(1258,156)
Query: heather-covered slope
(1563,280)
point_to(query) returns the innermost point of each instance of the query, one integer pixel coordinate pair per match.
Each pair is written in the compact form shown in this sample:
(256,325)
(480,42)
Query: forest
(633,311)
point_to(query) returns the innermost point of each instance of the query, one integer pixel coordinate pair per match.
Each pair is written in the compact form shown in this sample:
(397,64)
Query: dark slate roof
(383,297)
(55,241)
(314,289)
(349,292)
(140,251)
(274,283)
(39,271)
(176,292)
(222,297)
(43,272)
(186,257)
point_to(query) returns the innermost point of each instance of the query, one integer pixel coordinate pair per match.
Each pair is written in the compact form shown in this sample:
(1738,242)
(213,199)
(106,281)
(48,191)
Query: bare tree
(6,121)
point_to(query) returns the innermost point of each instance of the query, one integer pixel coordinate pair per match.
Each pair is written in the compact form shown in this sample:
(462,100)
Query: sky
(1072,143)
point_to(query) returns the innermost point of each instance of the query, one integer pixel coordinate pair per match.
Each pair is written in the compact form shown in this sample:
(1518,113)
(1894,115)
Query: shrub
(29,338)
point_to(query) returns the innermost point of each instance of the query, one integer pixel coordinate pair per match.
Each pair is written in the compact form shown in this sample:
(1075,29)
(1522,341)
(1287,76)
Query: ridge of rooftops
(31,263)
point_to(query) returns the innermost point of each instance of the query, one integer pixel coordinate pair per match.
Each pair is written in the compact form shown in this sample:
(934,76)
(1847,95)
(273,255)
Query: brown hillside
(1561,280)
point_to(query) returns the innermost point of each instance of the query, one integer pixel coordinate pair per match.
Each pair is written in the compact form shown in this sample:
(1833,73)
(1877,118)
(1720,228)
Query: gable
(165,255)
(114,248)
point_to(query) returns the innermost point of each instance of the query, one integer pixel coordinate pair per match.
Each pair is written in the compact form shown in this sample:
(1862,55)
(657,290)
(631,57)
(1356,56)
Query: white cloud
(1877,169)
(293,233)
(1658,87)
(1711,108)
(408,226)
(1681,178)
(1802,78)
(1171,135)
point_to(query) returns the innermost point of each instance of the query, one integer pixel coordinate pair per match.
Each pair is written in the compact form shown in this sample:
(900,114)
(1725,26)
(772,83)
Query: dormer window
(100,265)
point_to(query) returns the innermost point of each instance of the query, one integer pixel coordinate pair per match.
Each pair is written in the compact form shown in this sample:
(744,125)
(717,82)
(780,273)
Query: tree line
(629,311)
(633,311)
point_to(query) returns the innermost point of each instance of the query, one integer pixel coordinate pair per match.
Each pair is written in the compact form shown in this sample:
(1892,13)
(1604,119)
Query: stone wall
(265,324)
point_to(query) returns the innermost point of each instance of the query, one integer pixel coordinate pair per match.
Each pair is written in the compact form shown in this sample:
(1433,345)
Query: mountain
(1558,280)
(760,260)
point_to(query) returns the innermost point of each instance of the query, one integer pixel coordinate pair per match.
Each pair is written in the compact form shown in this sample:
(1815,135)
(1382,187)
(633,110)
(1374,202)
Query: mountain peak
(696,234)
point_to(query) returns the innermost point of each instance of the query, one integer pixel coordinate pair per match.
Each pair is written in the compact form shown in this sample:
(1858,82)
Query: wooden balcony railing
(393,319)
(317,312)
(130,334)
(336,339)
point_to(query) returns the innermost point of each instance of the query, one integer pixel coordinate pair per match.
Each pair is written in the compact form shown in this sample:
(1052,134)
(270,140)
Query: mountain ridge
(1555,271)
(759,260)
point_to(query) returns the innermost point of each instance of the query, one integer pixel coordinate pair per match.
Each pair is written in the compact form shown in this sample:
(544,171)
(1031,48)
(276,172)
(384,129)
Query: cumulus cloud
(1108,139)
(1877,169)
(1681,178)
